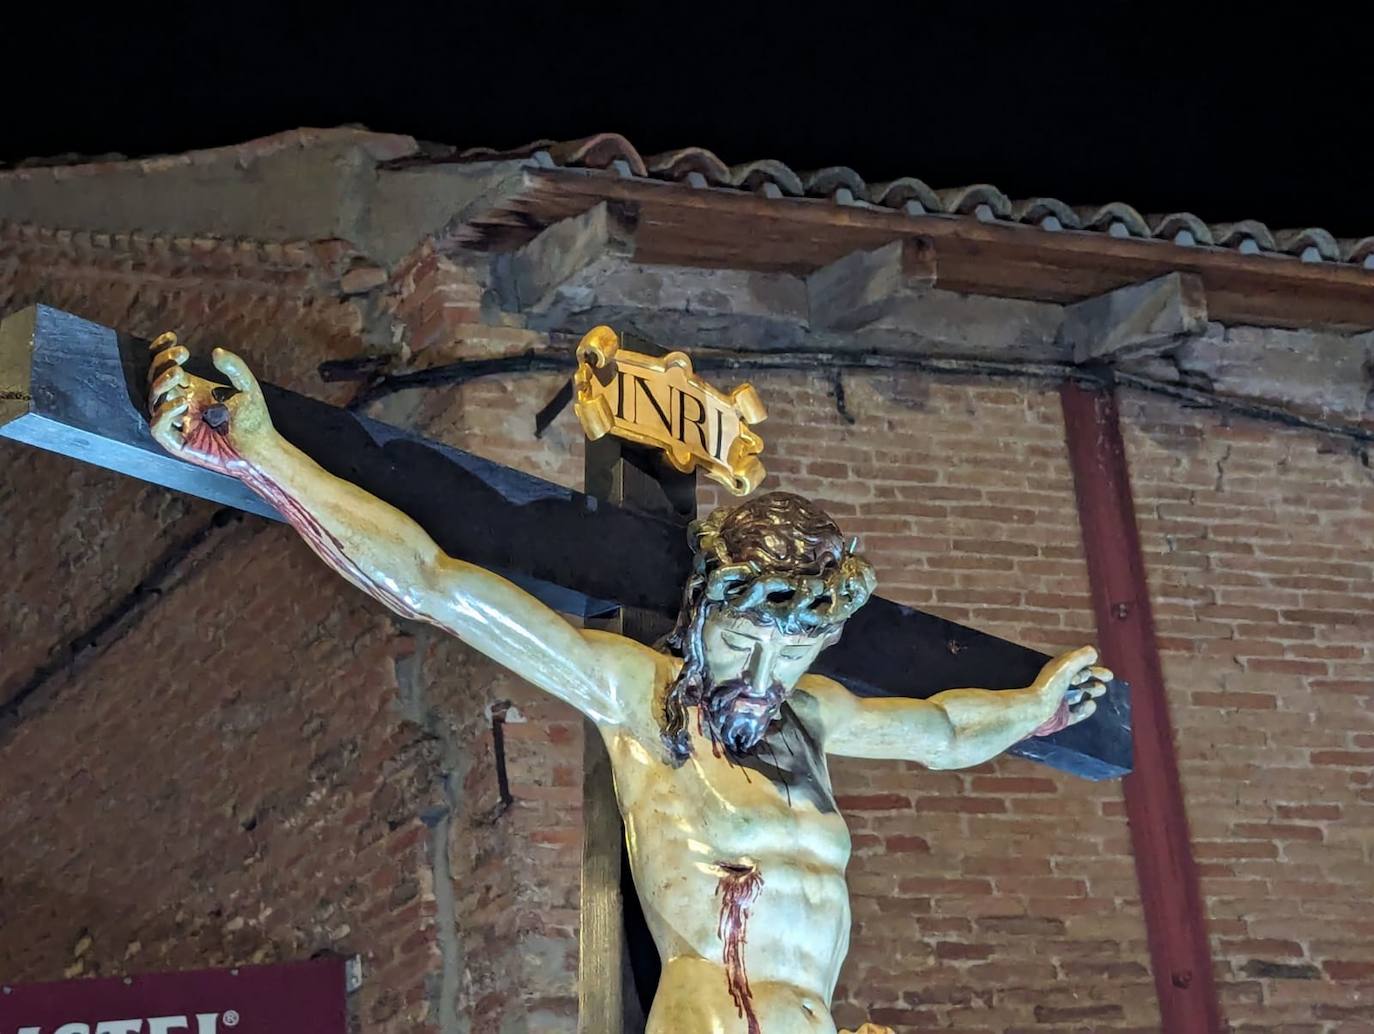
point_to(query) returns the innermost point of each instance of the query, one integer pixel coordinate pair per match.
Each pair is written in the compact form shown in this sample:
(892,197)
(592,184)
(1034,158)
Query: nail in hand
(216,416)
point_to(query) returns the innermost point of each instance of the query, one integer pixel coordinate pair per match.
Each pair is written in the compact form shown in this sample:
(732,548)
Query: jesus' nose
(759,669)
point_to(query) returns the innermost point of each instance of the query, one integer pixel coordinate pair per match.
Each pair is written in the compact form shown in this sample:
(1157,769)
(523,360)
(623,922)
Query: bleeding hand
(211,425)
(1070,685)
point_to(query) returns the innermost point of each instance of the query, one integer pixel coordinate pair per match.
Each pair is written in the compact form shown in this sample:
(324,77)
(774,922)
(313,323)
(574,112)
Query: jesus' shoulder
(897,728)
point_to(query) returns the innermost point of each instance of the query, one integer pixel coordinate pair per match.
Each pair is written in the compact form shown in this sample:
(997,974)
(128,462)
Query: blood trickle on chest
(738,888)
(792,760)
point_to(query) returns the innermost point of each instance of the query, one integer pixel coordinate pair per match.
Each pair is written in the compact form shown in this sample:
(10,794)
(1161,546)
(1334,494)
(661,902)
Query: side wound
(738,888)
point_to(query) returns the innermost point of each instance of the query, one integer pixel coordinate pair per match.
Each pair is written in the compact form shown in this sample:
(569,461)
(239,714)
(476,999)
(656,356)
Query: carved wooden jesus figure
(718,741)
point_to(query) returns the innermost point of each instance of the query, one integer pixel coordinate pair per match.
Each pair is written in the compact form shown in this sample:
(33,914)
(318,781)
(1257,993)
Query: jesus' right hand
(211,425)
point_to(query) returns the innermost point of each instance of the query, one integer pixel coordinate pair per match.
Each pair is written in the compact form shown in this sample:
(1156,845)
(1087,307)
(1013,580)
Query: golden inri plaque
(659,401)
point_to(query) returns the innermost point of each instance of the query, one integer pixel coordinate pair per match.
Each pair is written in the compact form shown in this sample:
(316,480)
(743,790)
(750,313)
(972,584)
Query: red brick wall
(1261,549)
(997,899)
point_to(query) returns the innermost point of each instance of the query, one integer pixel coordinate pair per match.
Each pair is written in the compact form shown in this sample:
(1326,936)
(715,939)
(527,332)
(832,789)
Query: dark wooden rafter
(83,388)
(680,225)
(1175,919)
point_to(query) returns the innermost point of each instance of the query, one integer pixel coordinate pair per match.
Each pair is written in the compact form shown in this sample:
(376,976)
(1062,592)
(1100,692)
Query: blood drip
(703,730)
(214,442)
(738,889)
(1059,720)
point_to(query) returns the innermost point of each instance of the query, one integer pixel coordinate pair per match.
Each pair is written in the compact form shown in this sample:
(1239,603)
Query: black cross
(78,388)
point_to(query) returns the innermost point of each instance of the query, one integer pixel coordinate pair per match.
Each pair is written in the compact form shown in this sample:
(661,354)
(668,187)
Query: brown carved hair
(778,560)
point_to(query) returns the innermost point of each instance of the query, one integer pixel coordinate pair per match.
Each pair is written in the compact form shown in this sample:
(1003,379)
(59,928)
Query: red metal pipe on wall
(1176,923)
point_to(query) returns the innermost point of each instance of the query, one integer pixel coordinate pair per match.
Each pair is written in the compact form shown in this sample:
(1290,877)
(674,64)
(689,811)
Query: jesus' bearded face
(772,582)
(752,669)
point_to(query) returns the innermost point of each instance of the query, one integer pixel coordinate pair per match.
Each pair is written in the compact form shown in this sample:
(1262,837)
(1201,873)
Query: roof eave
(719,227)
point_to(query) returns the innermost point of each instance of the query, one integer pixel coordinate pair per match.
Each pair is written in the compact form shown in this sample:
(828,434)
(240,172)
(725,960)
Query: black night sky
(1210,107)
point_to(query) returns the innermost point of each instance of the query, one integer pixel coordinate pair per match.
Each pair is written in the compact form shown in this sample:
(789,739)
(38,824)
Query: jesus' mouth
(740,712)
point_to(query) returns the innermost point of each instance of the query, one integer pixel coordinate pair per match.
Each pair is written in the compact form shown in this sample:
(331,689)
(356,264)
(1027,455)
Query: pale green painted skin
(682,820)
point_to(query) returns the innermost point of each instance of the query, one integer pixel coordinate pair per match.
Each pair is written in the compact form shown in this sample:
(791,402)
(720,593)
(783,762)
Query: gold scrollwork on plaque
(659,401)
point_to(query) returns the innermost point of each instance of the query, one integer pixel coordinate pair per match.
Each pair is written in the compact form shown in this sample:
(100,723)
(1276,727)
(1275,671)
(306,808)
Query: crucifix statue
(718,739)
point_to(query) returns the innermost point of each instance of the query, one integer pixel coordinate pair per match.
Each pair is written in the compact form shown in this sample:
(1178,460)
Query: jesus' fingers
(167,358)
(164,425)
(233,367)
(1092,674)
(173,377)
(1081,711)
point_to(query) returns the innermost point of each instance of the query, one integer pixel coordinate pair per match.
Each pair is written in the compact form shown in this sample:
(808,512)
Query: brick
(906,845)
(1276,831)
(912,1018)
(1270,948)
(1262,969)
(1077,1013)
(1327,617)
(1027,926)
(936,885)
(1235,849)
(967,805)
(1349,970)
(1344,758)
(1243,701)
(873,802)
(1311,812)
(952,950)
(1014,785)
(1289,667)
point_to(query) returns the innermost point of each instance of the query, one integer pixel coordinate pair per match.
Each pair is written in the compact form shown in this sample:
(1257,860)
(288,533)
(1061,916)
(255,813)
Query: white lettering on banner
(166,1024)
(206,1023)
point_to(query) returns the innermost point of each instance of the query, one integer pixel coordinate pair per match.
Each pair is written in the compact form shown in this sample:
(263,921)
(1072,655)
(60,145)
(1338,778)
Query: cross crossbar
(77,388)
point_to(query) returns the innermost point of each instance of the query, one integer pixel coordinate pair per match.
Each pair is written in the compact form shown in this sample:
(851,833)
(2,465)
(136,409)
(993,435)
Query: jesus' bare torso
(736,845)
(740,871)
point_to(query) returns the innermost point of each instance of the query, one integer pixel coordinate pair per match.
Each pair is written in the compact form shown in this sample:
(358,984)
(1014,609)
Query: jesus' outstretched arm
(377,547)
(958,728)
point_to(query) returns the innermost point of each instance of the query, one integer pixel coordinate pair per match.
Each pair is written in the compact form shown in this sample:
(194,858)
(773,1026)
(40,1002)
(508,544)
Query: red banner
(296,998)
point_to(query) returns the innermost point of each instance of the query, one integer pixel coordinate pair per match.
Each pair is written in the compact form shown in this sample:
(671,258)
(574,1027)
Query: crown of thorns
(828,591)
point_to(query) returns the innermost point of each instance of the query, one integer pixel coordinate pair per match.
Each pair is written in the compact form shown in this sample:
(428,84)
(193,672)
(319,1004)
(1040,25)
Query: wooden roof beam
(1137,321)
(569,255)
(729,229)
(866,286)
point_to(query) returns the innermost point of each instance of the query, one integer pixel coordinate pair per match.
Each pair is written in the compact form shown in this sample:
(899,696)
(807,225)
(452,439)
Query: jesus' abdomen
(740,872)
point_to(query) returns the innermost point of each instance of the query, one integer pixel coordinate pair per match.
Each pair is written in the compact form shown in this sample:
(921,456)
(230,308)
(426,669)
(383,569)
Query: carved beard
(739,713)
